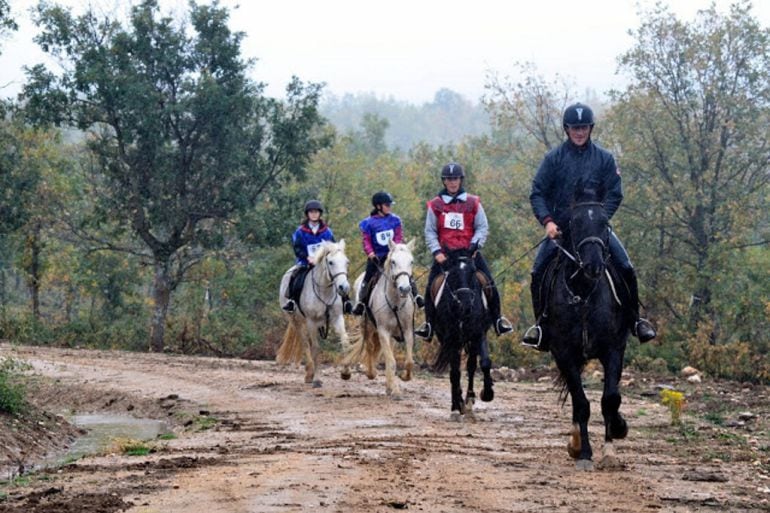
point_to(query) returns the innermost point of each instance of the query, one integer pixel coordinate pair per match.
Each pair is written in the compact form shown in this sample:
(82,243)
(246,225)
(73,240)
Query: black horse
(585,320)
(462,322)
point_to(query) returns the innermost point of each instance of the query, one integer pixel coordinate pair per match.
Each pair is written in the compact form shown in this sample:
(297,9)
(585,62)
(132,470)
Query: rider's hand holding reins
(551,230)
(440,258)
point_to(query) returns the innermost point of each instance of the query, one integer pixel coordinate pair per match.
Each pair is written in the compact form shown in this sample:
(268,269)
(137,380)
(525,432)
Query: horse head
(463,285)
(331,258)
(589,230)
(398,266)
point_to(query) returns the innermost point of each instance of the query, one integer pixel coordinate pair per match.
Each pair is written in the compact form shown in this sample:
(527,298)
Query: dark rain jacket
(553,188)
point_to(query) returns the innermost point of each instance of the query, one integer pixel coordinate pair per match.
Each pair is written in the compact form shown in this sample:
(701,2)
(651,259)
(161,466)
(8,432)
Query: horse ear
(341,244)
(410,245)
(391,244)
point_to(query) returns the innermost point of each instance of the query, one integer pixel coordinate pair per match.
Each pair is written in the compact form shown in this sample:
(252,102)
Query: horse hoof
(584,465)
(405,376)
(317,383)
(455,417)
(470,416)
(610,462)
(487,395)
(345,375)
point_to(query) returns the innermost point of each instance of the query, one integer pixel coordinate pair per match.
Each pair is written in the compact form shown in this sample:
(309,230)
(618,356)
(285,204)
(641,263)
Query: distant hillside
(449,118)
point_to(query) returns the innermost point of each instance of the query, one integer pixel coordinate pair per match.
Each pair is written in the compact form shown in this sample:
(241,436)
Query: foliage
(692,134)
(12,400)
(183,141)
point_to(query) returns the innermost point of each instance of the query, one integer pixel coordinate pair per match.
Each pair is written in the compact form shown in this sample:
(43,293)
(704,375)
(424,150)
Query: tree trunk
(34,249)
(161,295)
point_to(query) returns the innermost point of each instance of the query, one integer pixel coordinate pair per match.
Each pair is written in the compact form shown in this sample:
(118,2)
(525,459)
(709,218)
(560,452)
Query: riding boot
(418,299)
(361,305)
(499,322)
(426,330)
(641,327)
(347,305)
(533,337)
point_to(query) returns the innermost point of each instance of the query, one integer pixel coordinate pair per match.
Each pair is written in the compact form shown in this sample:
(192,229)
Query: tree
(7,23)
(183,141)
(693,135)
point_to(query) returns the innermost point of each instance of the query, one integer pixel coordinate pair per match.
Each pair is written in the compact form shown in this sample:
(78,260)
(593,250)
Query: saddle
(617,283)
(296,282)
(438,282)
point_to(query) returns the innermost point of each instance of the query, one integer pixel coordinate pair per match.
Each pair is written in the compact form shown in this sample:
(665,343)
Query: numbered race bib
(454,221)
(312,249)
(384,237)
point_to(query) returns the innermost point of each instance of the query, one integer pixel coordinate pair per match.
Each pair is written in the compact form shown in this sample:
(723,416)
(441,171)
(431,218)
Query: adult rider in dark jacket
(552,192)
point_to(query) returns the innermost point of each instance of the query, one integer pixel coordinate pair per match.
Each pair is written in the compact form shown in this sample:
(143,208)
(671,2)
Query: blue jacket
(553,188)
(376,231)
(306,243)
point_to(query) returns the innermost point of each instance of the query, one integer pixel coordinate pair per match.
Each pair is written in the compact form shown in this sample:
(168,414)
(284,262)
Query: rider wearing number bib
(305,241)
(456,220)
(377,230)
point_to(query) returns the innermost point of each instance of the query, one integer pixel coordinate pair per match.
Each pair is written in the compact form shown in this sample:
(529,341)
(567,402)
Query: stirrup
(425,331)
(419,301)
(533,337)
(503,326)
(289,307)
(359,309)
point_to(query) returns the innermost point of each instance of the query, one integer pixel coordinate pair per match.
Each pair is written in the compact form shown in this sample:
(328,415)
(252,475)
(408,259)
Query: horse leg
(487,393)
(311,354)
(615,426)
(338,324)
(386,347)
(457,391)
(470,395)
(406,375)
(578,446)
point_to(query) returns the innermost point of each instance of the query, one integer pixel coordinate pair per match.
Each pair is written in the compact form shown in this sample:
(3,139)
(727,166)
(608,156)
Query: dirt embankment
(278,445)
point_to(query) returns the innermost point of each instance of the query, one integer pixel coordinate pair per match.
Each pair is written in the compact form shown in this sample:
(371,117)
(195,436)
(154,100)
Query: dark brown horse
(462,322)
(585,321)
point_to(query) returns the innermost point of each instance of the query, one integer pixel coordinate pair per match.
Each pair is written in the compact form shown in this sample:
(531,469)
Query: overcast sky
(407,49)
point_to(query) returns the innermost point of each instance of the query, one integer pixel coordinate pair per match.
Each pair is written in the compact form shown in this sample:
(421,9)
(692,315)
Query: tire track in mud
(279,445)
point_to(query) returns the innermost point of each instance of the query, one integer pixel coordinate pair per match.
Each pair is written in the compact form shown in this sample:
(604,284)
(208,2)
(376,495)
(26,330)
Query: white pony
(390,317)
(319,305)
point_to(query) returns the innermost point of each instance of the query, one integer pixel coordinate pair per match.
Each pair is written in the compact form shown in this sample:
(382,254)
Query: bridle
(331,276)
(591,239)
(454,293)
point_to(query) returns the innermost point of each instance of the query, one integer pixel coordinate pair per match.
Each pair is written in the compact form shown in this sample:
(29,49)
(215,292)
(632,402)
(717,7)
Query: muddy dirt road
(277,445)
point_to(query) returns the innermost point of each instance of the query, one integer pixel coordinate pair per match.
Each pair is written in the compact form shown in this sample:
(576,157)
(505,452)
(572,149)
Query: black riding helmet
(314,205)
(452,170)
(578,114)
(382,198)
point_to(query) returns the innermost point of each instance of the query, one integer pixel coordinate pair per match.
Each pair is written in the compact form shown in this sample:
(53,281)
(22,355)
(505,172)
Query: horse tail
(443,357)
(290,350)
(561,382)
(373,347)
(355,352)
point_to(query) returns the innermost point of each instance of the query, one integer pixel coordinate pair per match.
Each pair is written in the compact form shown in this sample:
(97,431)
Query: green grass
(167,436)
